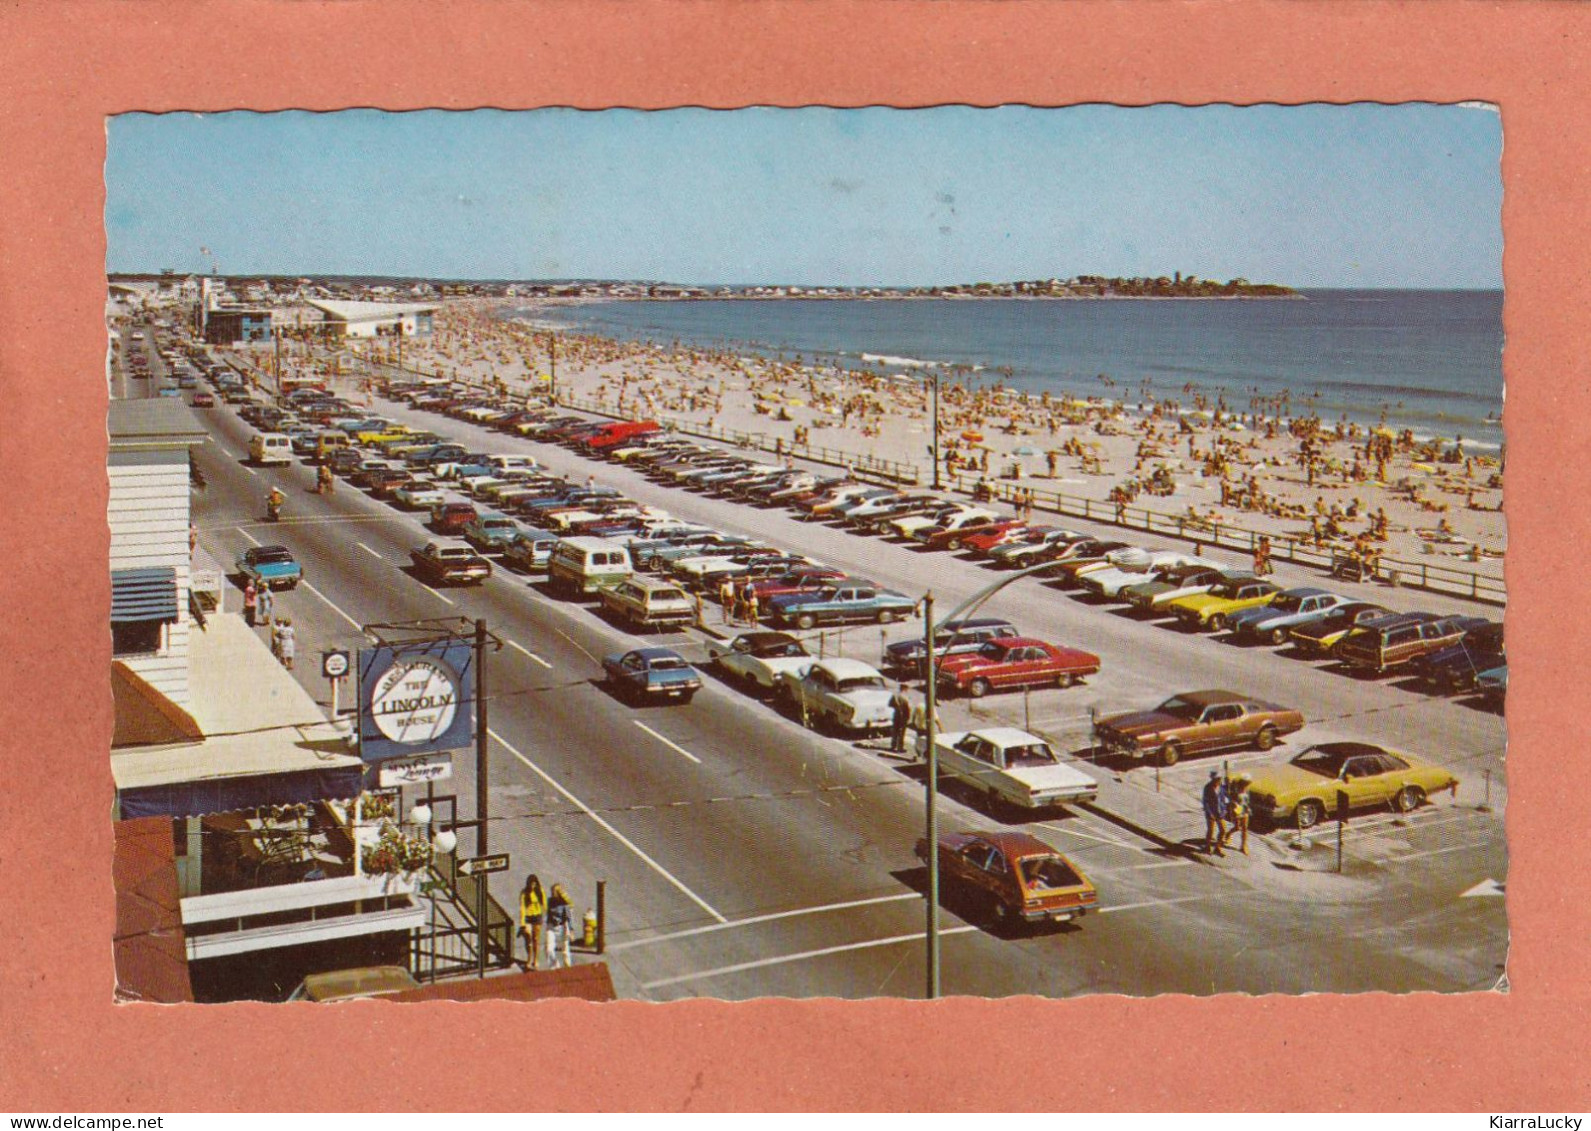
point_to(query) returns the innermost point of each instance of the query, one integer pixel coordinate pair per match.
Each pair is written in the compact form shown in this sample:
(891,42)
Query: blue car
(849,601)
(652,675)
(274,566)
(1291,609)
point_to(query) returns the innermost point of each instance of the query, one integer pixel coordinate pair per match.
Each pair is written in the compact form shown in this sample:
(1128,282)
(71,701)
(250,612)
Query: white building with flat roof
(374,319)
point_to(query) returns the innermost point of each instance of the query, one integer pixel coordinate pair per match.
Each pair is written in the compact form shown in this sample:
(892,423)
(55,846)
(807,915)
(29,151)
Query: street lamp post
(552,368)
(936,431)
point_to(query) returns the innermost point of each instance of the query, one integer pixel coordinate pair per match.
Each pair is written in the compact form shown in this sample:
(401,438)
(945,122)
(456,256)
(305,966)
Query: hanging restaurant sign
(415,771)
(416,698)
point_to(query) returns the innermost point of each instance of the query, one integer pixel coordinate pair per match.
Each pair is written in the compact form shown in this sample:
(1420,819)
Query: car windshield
(1047,872)
(270,556)
(992,650)
(862,683)
(463,553)
(1320,760)
(781,648)
(1286,604)
(1226,589)
(668,664)
(1036,754)
(1179,707)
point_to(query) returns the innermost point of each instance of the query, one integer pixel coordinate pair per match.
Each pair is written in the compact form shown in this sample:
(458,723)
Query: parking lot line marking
(368,550)
(801,956)
(768,918)
(1089,836)
(518,647)
(249,536)
(1437,851)
(676,747)
(1157,864)
(333,605)
(435,594)
(615,833)
(1155,903)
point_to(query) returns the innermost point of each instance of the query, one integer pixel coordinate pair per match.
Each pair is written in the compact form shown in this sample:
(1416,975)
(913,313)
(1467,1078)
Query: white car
(514,462)
(419,495)
(912,523)
(838,694)
(475,484)
(1110,581)
(1010,767)
(759,659)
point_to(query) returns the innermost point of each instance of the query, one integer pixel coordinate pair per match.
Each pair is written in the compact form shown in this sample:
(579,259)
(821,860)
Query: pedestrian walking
(1214,801)
(251,597)
(900,715)
(264,604)
(1262,556)
(286,642)
(532,917)
(1238,810)
(753,606)
(726,598)
(558,919)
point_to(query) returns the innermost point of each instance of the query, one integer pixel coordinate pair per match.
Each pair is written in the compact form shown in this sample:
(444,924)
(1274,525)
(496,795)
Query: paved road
(746,857)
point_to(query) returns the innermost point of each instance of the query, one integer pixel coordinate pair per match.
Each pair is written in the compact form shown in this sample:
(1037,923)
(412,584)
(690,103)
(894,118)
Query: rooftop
(369,311)
(155,421)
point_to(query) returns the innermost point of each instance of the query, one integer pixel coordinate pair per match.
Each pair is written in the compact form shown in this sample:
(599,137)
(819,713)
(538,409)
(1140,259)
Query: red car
(1012,662)
(1017,877)
(955,537)
(203,400)
(988,537)
(452,518)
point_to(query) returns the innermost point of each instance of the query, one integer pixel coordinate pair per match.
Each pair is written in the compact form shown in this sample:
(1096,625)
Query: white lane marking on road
(333,605)
(249,536)
(1067,828)
(1159,864)
(769,918)
(577,644)
(1154,903)
(250,470)
(615,833)
(915,936)
(518,647)
(435,594)
(1438,851)
(369,551)
(674,746)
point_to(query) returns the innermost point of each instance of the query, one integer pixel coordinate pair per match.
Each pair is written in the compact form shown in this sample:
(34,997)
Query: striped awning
(143,595)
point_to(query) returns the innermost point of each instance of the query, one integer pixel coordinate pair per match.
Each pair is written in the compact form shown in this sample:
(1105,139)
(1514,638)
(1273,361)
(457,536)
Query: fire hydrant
(588,933)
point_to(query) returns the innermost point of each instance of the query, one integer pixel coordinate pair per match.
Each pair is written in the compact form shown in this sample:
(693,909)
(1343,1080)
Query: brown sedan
(1197,722)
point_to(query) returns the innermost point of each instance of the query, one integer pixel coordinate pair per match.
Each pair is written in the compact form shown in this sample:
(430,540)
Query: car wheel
(978,688)
(686,698)
(1408,799)
(886,616)
(1217,623)
(1065,679)
(1278,636)
(1001,914)
(1266,738)
(805,620)
(1309,813)
(1170,754)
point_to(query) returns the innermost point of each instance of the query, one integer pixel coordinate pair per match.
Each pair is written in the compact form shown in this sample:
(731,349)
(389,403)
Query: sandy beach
(1325,483)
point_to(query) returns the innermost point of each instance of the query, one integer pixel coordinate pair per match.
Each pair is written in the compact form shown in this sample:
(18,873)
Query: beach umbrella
(1026,450)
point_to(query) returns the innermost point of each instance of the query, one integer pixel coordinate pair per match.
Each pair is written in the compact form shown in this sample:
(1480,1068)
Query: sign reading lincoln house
(415,699)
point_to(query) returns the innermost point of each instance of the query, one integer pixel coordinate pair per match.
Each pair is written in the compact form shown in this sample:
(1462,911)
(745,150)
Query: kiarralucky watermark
(1535,1122)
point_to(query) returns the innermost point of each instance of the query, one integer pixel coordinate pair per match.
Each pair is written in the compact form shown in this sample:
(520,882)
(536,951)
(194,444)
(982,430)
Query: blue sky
(1322,196)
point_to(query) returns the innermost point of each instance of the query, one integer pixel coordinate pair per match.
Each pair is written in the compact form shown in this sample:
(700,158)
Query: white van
(581,566)
(270,447)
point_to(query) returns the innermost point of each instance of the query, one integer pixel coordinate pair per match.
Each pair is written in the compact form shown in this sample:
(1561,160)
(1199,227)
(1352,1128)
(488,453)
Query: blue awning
(143,595)
(226,795)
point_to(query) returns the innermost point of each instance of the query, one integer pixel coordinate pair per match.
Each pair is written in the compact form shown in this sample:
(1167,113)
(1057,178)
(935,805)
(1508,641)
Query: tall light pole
(552,368)
(936,431)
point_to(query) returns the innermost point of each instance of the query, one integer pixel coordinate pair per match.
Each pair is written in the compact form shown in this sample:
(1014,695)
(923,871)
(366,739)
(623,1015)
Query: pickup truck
(839,694)
(643,603)
(1010,767)
(450,563)
(274,566)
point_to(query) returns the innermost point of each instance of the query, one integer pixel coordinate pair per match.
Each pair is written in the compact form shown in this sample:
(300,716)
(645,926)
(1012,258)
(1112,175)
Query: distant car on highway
(758,659)
(274,566)
(1304,790)
(1011,663)
(1196,722)
(652,675)
(1015,877)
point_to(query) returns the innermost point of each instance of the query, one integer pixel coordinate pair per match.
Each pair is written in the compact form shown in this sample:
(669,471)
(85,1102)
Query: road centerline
(670,743)
(801,956)
(518,647)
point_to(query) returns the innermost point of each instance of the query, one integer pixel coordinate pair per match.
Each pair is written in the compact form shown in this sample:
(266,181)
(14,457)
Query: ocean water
(1429,360)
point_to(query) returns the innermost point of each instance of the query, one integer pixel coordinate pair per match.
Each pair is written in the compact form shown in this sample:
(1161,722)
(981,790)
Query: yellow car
(1209,611)
(370,439)
(1303,791)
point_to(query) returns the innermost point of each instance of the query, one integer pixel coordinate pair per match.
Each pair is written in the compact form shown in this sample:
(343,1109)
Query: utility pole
(481,762)
(930,732)
(552,368)
(936,431)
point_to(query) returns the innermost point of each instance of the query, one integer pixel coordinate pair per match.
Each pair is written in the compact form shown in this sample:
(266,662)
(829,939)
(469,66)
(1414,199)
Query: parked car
(1010,768)
(1029,548)
(1106,584)
(202,400)
(652,675)
(851,601)
(644,603)
(419,495)
(1493,686)
(452,518)
(1196,722)
(490,533)
(1013,662)
(1318,638)
(450,563)
(1292,608)
(1304,790)
(1189,579)
(530,550)
(1458,666)
(1383,645)
(758,659)
(1210,610)
(1016,876)
(839,694)
(953,638)
(274,566)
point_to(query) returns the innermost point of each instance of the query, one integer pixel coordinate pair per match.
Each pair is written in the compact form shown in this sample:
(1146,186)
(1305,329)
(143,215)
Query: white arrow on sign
(1485,887)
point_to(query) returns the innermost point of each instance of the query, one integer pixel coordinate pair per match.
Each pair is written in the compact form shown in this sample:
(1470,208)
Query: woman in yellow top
(532,915)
